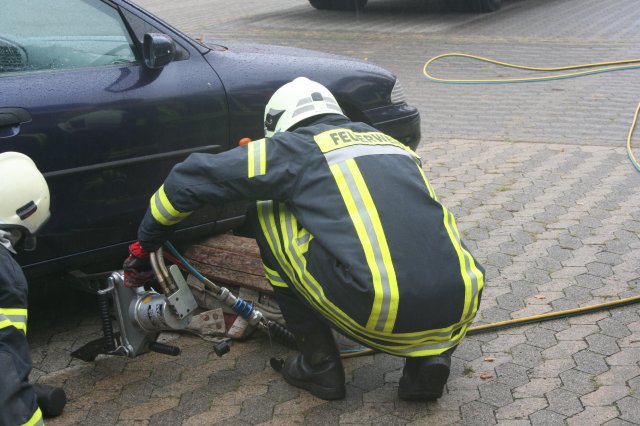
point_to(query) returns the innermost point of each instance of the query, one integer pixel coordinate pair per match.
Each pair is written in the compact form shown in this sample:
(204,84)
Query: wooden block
(230,260)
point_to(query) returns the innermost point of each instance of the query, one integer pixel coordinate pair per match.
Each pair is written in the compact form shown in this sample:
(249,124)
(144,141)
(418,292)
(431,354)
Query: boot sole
(435,376)
(321,392)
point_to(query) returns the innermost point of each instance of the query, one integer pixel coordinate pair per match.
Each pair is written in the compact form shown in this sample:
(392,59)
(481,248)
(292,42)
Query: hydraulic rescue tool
(143,313)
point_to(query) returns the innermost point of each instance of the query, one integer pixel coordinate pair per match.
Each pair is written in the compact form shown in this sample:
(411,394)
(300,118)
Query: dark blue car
(106,98)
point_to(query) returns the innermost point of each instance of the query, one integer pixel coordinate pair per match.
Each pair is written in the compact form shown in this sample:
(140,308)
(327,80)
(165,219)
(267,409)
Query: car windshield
(61,35)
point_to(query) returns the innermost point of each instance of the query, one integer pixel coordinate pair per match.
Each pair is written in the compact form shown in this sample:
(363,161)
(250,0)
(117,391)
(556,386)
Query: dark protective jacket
(18,403)
(354,225)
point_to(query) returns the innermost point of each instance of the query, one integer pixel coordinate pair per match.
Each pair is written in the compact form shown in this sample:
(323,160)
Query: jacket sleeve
(265,169)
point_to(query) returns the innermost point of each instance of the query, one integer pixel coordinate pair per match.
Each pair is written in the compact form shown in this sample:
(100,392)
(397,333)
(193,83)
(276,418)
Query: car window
(41,35)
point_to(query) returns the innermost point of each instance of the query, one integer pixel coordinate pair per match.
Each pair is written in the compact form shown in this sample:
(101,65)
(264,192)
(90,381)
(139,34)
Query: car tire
(485,5)
(338,4)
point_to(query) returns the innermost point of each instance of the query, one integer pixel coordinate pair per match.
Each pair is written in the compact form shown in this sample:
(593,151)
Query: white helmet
(297,101)
(24,193)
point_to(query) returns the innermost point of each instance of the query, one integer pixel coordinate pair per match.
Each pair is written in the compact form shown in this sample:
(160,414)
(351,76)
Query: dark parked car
(106,98)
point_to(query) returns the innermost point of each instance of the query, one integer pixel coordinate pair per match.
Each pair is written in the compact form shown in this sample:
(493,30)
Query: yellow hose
(589,69)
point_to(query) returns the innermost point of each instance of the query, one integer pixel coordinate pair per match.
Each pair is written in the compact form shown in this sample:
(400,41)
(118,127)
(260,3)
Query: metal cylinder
(152,313)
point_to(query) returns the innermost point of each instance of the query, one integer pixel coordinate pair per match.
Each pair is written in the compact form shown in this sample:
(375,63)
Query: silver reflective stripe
(304,101)
(303,109)
(354,151)
(274,278)
(375,246)
(168,217)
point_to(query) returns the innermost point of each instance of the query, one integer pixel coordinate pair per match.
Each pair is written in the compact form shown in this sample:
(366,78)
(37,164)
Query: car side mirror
(158,50)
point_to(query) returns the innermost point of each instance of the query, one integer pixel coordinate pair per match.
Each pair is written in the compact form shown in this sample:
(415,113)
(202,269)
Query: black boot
(318,367)
(51,400)
(423,378)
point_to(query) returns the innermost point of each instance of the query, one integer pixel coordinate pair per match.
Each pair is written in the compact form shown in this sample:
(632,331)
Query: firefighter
(351,235)
(25,207)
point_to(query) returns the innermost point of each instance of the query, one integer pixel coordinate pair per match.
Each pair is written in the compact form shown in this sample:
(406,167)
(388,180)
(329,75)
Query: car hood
(251,73)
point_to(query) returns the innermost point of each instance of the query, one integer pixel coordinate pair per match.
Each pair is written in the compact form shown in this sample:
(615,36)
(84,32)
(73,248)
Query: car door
(103,128)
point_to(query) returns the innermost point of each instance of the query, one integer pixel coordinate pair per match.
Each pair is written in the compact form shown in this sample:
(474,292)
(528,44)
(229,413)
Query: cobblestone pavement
(538,178)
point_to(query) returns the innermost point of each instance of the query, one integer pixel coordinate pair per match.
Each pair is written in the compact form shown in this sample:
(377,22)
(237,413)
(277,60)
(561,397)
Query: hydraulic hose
(587,69)
(277,331)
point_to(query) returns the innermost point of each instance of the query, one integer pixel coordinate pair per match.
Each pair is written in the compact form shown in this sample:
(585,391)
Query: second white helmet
(296,101)
(24,193)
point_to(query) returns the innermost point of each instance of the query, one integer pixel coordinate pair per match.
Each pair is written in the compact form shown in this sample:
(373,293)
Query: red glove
(137,267)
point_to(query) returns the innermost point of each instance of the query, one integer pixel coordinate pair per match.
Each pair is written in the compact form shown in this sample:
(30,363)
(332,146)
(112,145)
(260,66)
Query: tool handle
(164,349)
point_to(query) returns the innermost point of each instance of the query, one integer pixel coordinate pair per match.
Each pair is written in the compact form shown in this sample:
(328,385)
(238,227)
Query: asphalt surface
(538,178)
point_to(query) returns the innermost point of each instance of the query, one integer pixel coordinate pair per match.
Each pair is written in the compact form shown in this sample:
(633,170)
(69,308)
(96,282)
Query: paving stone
(504,342)
(439,418)
(613,328)
(577,381)
(618,375)
(496,394)
(629,409)
(630,356)
(367,378)
(192,403)
(105,413)
(547,418)
(590,362)
(537,388)
(168,417)
(324,415)
(564,402)
(593,416)
(541,338)
(576,332)
(618,422)
(564,349)
(602,344)
(468,350)
(552,368)
(146,410)
(512,375)
(510,302)
(477,413)
(521,408)
(605,395)
(526,355)
(256,409)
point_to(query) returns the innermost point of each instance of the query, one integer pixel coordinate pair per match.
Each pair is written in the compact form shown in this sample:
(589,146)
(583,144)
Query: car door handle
(11,119)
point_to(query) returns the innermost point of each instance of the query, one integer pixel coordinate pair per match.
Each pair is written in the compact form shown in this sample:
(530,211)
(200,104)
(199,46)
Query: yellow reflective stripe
(36,419)
(14,311)
(256,158)
(274,277)
(432,193)
(163,211)
(13,317)
(471,275)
